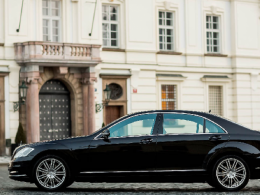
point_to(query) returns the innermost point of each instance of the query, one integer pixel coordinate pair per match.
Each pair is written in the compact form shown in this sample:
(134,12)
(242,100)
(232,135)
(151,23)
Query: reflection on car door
(181,143)
(125,151)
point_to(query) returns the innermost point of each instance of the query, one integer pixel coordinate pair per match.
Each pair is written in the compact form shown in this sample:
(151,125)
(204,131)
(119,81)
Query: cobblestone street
(8,186)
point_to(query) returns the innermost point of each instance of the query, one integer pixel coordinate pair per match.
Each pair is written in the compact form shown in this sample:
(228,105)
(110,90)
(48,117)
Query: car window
(137,125)
(182,123)
(212,128)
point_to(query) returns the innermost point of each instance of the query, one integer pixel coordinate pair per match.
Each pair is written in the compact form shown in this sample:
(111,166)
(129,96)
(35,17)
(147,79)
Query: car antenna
(209,111)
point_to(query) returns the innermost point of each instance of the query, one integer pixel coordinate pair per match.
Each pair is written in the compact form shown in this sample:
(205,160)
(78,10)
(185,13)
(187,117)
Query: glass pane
(104,8)
(113,27)
(160,22)
(138,125)
(215,35)
(55,31)
(215,19)
(55,23)
(160,38)
(161,46)
(207,41)
(169,39)
(169,46)
(114,43)
(208,49)
(113,35)
(215,26)
(105,27)
(55,39)
(45,11)
(45,38)
(182,124)
(169,32)
(55,4)
(105,42)
(212,128)
(208,34)
(45,23)
(45,3)
(161,31)
(208,18)
(55,12)
(169,22)
(207,25)
(215,49)
(169,15)
(113,9)
(105,35)
(45,30)
(104,16)
(161,15)
(113,17)
(215,42)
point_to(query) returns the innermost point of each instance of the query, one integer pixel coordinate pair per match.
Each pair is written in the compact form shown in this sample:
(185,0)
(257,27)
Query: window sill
(169,53)
(215,55)
(113,49)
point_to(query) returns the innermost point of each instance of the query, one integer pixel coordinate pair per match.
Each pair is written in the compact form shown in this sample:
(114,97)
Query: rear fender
(248,152)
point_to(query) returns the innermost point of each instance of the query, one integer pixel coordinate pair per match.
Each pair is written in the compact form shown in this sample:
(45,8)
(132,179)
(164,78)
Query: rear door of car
(184,140)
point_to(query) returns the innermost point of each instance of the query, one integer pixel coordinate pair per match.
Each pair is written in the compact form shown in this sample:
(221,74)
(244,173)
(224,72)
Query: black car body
(161,156)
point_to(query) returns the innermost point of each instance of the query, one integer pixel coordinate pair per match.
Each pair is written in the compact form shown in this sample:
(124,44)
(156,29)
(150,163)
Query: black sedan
(151,146)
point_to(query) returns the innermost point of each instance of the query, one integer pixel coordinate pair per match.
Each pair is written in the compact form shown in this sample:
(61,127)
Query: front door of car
(185,140)
(131,146)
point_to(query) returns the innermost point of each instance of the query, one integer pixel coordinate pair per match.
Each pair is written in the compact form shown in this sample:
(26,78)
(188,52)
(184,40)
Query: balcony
(57,54)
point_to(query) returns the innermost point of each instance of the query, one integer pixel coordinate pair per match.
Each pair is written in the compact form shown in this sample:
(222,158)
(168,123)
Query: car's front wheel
(230,173)
(51,173)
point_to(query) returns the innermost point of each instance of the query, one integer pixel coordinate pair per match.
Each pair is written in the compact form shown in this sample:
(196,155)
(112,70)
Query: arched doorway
(54,102)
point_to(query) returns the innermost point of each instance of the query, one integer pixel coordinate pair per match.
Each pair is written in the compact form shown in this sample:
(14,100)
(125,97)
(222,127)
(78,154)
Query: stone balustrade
(48,52)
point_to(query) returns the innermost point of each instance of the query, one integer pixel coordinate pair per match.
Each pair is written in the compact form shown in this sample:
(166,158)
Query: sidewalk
(4,160)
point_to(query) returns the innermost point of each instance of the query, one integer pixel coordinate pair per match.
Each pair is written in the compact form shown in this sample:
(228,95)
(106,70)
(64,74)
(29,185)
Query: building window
(169,97)
(110,25)
(213,34)
(51,10)
(166,31)
(215,99)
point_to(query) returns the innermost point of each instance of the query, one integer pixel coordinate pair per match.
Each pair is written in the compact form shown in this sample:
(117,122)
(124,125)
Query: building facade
(154,54)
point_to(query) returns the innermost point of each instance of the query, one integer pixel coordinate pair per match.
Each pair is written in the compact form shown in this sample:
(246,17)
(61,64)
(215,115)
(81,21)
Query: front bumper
(20,169)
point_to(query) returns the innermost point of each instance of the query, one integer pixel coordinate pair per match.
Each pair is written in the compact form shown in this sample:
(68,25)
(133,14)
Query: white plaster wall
(138,35)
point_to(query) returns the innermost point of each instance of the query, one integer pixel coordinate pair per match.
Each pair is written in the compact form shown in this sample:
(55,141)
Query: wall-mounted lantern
(107,95)
(23,93)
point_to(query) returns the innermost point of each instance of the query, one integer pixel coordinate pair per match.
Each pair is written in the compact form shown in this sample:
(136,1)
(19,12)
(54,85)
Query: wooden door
(112,113)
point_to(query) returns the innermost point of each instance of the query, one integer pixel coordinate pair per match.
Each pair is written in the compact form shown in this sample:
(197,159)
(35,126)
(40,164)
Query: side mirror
(105,134)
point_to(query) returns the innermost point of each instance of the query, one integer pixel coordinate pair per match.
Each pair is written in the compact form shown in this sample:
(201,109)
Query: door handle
(215,137)
(146,141)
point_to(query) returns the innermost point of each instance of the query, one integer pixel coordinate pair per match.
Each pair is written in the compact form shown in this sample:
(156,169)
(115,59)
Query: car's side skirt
(193,175)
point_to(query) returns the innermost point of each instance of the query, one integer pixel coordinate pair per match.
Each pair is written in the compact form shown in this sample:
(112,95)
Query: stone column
(85,108)
(32,75)
(32,112)
(89,112)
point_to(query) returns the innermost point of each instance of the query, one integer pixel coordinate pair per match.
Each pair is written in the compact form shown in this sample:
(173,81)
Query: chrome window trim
(144,171)
(96,138)
(197,116)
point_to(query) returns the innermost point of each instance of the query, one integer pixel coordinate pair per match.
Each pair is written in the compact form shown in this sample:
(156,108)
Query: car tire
(51,173)
(230,173)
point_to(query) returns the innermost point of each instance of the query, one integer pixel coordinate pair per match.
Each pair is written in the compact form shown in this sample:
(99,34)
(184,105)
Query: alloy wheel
(51,173)
(231,173)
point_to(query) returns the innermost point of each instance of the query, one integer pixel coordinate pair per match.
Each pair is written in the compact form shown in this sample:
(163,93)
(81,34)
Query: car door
(184,141)
(131,145)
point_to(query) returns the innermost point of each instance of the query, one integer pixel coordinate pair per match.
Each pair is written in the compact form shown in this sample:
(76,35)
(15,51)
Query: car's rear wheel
(51,173)
(230,173)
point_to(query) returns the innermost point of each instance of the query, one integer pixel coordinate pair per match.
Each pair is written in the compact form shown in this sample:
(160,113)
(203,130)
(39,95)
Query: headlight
(23,152)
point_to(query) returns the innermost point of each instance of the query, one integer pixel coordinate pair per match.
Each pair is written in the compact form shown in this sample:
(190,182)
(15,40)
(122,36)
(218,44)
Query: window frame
(222,97)
(50,19)
(204,125)
(165,27)
(153,134)
(109,23)
(219,31)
